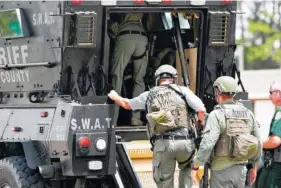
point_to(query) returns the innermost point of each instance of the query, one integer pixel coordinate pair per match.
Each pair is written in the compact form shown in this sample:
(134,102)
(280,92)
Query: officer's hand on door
(113,95)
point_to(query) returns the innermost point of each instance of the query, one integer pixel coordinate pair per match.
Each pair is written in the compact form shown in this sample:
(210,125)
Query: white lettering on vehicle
(43,18)
(60,137)
(13,55)
(13,76)
(88,124)
(59,133)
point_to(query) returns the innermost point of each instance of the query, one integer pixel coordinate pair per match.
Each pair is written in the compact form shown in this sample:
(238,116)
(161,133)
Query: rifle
(179,46)
(183,60)
(150,136)
(197,130)
(205,183)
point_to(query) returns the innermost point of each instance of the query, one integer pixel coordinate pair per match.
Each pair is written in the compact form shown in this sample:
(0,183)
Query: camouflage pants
(127,46)
(232,177)
(165,155)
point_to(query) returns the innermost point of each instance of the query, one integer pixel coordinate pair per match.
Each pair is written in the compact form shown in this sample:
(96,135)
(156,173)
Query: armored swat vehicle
(56,122)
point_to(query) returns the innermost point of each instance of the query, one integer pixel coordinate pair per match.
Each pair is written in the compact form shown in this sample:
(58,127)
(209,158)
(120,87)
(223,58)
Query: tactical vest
(131,18)
(164,113)
(236,141)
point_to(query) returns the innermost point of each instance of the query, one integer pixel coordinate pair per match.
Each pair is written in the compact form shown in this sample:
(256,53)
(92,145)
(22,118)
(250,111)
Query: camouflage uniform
(171,146)
(225,122)
(131,42)
(271,174)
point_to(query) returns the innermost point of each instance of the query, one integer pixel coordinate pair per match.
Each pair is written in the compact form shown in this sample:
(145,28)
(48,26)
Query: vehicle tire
(14,173)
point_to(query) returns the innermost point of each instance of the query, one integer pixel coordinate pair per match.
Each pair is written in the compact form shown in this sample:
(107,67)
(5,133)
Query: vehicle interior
(162,49)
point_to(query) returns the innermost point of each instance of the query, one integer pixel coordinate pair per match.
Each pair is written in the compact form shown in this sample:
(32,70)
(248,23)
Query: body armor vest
(236,141)
(164,113)
(131,19)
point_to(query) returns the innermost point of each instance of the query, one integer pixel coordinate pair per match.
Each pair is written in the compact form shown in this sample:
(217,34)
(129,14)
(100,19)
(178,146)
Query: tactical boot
(136,122)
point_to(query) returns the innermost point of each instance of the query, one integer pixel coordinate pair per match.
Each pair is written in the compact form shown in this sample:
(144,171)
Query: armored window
(219,28)
(85,34)
(83,29)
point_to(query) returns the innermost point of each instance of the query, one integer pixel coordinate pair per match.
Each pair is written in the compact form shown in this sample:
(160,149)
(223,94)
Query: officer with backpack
(230,139)
(169,123)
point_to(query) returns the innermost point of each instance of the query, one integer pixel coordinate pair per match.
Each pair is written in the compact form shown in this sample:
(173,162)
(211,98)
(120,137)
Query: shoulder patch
(277,116)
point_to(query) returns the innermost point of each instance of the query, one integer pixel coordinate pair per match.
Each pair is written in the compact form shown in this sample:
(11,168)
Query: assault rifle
(197,126)
(179,46)
(205,179)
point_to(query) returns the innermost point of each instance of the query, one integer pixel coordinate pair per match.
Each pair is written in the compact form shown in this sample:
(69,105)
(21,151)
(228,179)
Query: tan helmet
(165,71)
(226,84)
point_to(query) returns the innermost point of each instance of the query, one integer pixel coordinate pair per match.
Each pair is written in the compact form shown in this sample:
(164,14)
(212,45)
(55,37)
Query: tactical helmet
(165,71)
(226,84)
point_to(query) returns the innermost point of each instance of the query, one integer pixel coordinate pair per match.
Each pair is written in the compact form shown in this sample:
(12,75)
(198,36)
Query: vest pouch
(161,120)
(222,147)
(244,147)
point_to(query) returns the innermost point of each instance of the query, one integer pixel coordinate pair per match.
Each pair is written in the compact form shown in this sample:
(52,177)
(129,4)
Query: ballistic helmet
(226,84)
(165,71)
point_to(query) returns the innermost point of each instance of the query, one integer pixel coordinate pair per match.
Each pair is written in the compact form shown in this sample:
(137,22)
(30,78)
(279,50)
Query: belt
(242,164)
(172,137)
(131,32)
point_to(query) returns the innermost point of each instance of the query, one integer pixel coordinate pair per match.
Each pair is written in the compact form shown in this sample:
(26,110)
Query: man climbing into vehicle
(169,123)
(130,44)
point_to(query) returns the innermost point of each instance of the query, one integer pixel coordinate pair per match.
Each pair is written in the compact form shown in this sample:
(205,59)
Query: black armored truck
(56,121)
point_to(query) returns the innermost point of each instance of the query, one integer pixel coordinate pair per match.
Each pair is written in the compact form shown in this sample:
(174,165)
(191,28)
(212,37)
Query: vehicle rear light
(43,114)
(84,143)
(166,1)
(95,165)
(139,1)
(16,129)
(101,144)
(226,1)
(108,2)
(76,2)
(197,2)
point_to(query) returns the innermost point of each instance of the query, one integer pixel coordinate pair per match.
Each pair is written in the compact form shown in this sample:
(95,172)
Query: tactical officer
(169,123)
(230,139)
(271,173)
(131,44)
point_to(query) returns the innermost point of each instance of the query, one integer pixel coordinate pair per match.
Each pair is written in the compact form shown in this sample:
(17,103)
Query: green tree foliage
(262,35)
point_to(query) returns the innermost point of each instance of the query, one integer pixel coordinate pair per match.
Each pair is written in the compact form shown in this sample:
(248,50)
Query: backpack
(163,112)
